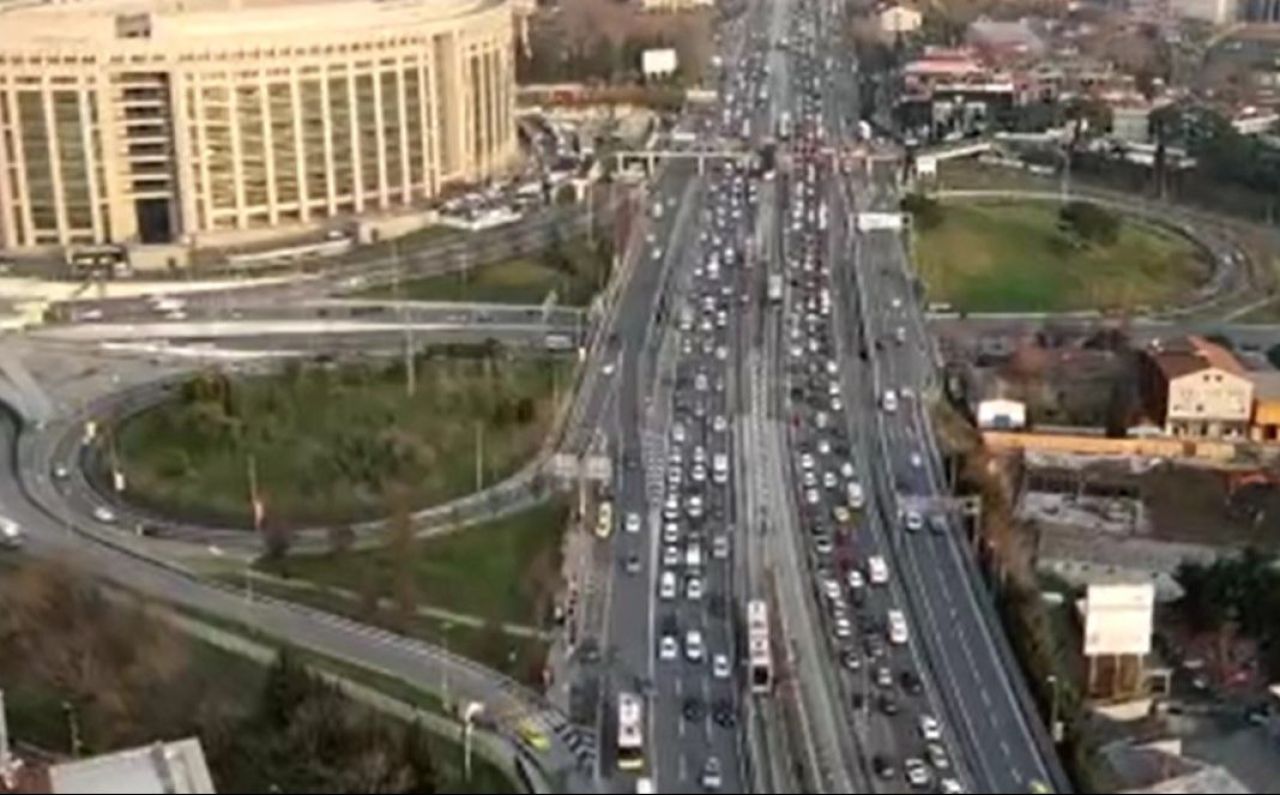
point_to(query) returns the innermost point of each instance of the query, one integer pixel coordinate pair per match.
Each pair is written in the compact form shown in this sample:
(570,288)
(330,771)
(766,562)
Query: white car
(104,514)
(633,523)
(678,433)
(667,585)
(916,461)
(843,628)
(670,532)
(693,506)
(693,589)
(671,555)
(671,508)
(846,470)
(10,533)
(668,648)
(811,496)
(930,729)
(693,649)
(699,473)
(949,786)
(719,424)
(824,447)
(914,521)
(720,666)
(917,773)
(809,479)
(720,547)
(856,580)
(831,588)
(607,368)
(829,479)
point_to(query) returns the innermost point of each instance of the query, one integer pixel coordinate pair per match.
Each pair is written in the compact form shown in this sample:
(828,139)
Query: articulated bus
(630,732)
(758,648)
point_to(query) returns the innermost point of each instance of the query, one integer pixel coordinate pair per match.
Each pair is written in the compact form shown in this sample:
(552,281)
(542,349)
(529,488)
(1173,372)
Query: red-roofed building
(1195,388)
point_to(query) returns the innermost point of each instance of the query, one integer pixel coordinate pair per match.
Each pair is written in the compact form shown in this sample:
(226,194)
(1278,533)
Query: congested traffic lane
(978,676)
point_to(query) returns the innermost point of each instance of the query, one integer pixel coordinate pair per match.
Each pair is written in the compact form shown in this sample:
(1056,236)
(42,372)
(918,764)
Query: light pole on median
(1055,729)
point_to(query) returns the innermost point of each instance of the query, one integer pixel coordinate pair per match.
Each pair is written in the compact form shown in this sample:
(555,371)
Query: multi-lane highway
(761,383)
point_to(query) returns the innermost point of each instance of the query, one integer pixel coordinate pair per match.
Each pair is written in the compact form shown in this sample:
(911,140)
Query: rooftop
(177,767)
(1266,384)
(1191,355)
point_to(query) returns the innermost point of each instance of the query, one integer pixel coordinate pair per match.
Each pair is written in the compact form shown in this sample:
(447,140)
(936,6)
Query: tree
(926,213)
(1089,223)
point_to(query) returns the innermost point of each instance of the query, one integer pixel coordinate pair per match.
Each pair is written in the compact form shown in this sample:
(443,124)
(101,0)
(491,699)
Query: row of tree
(1241,593)
(86,672)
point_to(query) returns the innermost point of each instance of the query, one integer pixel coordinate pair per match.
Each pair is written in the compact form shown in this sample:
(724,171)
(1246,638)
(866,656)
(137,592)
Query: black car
(888,705)
(692,709)
(850,660)
(857,700)
(911,683)
(722,713)
(882,766)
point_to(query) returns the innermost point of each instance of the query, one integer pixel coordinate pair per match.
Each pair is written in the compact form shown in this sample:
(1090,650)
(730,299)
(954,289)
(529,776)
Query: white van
(855,494)
(720,468)
(877,570)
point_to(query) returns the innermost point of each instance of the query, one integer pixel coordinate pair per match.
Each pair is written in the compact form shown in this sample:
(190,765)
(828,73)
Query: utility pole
(479,455)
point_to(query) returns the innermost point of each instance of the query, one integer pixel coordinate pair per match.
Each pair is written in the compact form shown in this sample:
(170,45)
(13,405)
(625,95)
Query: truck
(775,288)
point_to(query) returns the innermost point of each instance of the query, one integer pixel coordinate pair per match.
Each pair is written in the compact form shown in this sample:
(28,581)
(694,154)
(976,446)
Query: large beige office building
(172,121)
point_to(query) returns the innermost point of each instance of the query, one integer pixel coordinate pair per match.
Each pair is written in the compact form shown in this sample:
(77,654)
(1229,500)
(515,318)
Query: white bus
(758,647)
(630,732)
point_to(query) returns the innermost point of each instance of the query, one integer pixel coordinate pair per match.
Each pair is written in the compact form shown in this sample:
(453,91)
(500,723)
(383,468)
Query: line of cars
(868,633)
(697,526)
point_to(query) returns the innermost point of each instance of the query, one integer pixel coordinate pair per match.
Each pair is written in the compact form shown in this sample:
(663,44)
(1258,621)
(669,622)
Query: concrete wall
(1096,445)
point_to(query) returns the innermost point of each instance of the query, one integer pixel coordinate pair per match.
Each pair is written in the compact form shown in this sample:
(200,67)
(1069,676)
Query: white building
(1131,123)
(898,19)
(1215,12)
(1194,387)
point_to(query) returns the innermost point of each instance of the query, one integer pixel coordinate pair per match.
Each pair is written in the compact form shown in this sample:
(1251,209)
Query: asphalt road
(986,712)
(30,497)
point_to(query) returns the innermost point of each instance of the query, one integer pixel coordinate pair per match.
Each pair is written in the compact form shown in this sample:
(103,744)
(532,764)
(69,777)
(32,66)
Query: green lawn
(572,270)
(999,257)
(507,569)
(337,444)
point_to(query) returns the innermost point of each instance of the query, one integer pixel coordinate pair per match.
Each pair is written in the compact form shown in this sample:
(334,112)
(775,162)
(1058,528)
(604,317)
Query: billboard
(1118,619)
(658,63)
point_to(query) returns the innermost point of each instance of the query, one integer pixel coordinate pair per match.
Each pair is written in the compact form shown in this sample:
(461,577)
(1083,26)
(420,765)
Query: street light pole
(1052,681)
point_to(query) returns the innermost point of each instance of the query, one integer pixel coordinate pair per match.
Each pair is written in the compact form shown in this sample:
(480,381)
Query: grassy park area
(334,444)
(1005,257)
(503,571)
(573,269)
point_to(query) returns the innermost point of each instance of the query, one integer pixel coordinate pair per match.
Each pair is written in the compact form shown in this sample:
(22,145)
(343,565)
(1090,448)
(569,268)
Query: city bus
(630,732)
(759,653)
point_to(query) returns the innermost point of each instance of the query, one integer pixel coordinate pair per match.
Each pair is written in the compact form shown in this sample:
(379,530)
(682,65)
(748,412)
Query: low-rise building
(1215,12)
(896,19)
(1131,122)
(1195,388)
(1266,406)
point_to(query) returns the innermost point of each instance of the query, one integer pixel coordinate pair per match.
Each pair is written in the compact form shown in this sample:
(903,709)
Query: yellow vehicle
(604,519)
(533,736)
(1038,787)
